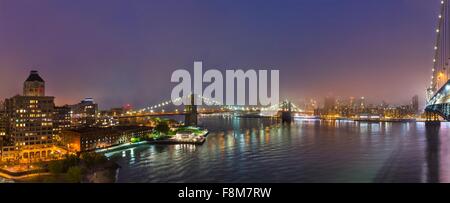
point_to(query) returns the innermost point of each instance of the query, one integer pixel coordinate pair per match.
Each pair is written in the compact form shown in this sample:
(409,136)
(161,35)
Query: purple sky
(125,51)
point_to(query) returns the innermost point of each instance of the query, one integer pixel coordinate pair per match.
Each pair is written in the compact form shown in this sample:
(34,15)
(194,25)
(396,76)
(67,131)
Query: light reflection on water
(263,150)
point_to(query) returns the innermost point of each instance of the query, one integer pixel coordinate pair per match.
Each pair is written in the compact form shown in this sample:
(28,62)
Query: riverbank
(87,168)
(21,171)
(199,141)
(16,179)
(104,173)
(167,141)
(4,180)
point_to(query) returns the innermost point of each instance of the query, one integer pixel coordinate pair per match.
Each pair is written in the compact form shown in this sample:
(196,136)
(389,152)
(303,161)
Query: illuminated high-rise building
(84,114)
(362,103)
(415,104)
(329,105)
(29,120)
(351,103)
(2,121)
(62,119)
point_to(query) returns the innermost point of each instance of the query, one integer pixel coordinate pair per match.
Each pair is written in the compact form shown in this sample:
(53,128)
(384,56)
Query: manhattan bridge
(438,93)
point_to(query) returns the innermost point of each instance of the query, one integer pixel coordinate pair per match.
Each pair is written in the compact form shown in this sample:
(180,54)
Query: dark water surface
(263,150)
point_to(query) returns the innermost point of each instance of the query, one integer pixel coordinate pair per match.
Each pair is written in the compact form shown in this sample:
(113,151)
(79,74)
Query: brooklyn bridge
(283,110)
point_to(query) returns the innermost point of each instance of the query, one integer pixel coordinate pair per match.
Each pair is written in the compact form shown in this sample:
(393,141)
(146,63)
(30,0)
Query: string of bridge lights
(209,101)
(442,17)
(436,47)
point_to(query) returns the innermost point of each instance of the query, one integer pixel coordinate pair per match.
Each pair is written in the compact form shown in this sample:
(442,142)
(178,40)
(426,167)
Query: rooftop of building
(31,97)
(34,76)
(115,128)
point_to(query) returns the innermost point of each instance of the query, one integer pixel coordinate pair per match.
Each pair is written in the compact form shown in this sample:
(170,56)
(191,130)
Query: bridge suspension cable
(440,70)
(207,101)
(282,106)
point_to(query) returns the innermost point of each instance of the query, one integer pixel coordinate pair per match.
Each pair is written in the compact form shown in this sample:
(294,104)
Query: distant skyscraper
(362,103)
(351,102)
(384,104)
(415,104)
(84,114)
(329,104)
(312,105)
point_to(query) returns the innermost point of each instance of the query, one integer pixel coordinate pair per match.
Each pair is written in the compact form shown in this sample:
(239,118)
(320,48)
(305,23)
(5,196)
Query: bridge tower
(286,112)
(431,117)
(438,93)
(191,116)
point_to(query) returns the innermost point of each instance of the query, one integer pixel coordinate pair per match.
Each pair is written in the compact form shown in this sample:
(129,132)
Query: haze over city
(125,52)
(228,99)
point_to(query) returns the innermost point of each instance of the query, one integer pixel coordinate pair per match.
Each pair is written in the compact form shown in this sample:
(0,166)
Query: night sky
(122,52)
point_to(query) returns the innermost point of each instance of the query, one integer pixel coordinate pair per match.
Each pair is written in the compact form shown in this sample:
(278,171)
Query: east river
(264,150)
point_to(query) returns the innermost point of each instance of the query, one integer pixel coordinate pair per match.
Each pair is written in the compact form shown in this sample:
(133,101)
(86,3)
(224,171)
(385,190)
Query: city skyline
(307,103)
(125,53)
(224,92)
